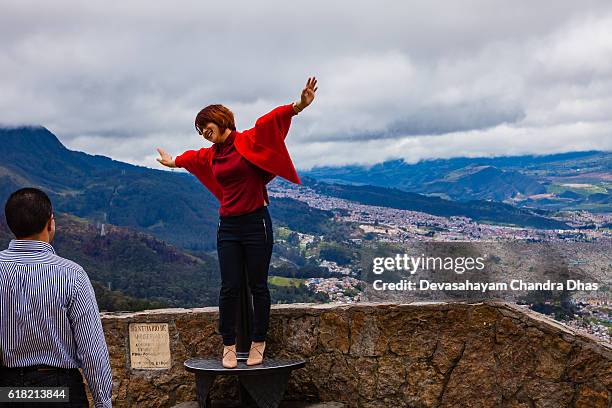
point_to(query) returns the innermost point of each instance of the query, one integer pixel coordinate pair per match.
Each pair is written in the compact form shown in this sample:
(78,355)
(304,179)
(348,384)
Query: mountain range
(174,207)
(576,180)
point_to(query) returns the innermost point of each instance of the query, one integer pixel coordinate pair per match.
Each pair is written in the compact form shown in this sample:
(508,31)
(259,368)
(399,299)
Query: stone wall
(386,355)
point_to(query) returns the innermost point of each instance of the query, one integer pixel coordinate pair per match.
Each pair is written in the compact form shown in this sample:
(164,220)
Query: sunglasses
(208,132)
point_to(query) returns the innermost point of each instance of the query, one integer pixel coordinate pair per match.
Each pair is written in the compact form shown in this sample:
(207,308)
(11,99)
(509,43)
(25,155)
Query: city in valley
(577,250)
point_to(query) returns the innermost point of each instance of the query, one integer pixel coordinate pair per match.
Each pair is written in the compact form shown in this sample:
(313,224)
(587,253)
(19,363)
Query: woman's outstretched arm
(165,158)
(196,162)
(274,125)
(307,96)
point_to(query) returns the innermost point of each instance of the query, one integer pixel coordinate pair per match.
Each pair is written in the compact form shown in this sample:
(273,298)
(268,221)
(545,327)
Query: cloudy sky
(397,79)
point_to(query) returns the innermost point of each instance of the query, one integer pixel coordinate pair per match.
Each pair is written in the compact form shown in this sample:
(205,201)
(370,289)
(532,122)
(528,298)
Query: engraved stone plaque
(149,346)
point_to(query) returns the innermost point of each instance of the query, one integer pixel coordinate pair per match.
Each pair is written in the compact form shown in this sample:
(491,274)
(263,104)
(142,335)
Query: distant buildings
(345,290)
(395,225)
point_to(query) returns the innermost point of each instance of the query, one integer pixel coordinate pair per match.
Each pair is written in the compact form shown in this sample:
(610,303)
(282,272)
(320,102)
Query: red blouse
(242,182)
(262,150)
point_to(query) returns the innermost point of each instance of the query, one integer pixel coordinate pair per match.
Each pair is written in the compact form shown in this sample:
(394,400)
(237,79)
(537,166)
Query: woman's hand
(308,94)
(165,158)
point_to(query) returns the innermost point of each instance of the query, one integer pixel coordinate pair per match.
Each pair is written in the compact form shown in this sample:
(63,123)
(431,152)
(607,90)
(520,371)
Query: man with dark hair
(49,319)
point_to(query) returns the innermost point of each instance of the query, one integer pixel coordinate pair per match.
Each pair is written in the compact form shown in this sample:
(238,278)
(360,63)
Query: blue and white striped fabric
(49,315)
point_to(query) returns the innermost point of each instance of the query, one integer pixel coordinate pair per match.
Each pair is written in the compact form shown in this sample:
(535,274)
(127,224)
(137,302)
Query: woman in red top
(236,170)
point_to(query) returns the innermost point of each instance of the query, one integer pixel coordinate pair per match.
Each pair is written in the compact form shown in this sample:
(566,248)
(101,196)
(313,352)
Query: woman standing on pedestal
(236,170)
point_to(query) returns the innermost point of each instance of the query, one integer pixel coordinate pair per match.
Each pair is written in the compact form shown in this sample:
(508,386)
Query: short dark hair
(27,211)
(217,114)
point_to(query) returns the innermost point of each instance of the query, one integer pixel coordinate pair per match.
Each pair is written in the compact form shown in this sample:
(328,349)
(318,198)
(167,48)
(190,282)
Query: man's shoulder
(7,256)
(66,263)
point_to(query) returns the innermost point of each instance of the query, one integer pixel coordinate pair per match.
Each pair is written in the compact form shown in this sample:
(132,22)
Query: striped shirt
(49,315)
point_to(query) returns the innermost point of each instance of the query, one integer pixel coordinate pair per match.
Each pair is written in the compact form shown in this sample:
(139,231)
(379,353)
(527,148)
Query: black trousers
(45,376)
(244,241)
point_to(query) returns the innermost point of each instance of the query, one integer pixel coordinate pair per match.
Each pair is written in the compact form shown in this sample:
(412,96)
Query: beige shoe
(256,353)
(229,356)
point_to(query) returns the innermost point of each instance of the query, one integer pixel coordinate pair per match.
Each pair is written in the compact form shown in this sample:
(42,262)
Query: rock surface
(490,354)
